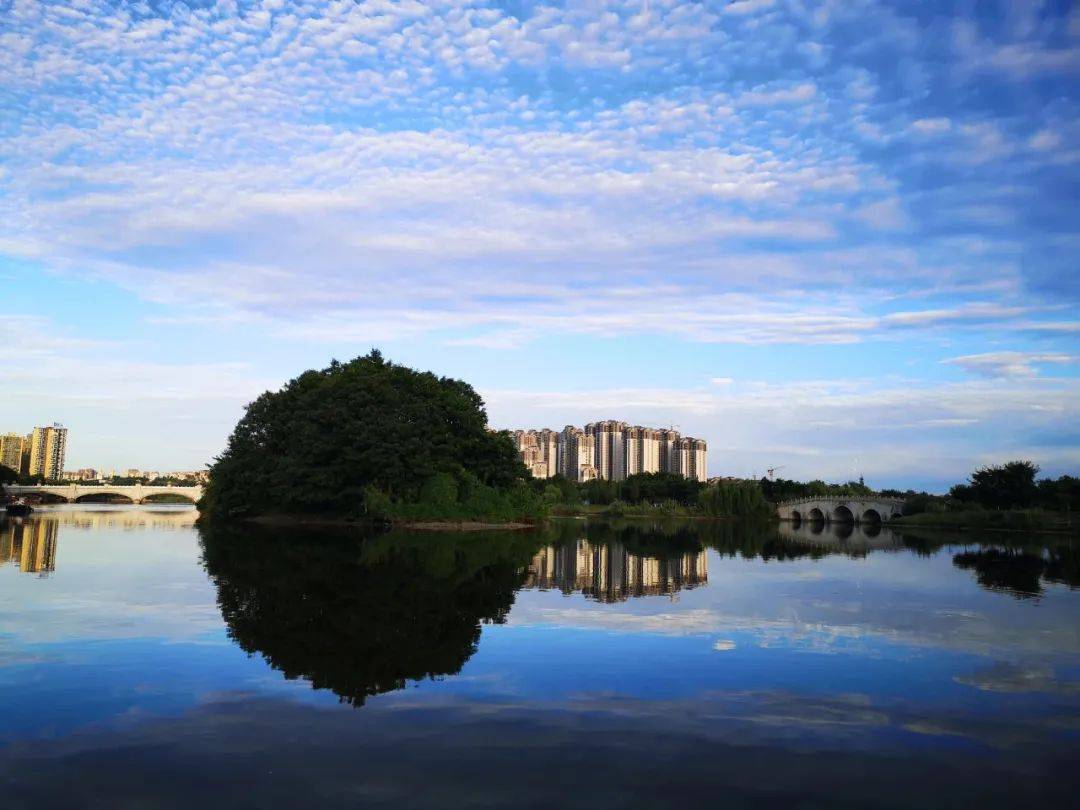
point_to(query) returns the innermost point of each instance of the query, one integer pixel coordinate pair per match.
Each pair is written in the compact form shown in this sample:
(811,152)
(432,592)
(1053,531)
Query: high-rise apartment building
(610,450)
(667,440)
(48,446)
(642,450)
(12,451)
(575,452)
(538,451)
(690,459)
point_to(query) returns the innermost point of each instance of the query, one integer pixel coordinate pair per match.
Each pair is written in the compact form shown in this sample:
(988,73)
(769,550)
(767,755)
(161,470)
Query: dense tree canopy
(7,476)
(1009,486)
(319,442)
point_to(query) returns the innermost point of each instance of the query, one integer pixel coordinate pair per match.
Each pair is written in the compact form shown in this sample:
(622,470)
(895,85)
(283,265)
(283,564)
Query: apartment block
(575,454)
(12,449)
(48,446)
(610,450)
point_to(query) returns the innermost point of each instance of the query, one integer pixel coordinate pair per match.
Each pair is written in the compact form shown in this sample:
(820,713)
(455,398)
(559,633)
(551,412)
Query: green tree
(1061,495)
(734,499)
(1009,486)
(327,436)
(7,476)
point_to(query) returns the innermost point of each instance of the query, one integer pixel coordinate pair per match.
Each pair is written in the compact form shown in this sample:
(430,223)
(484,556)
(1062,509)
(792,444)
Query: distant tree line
(1013,485)
(782,489)
(656,493)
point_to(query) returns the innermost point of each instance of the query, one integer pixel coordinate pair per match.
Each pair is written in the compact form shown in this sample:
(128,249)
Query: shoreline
(357,523)
(968,528)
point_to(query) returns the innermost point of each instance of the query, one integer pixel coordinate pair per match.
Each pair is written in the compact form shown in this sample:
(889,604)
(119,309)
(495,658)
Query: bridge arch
(871,516)
(48,498)
(104,497)
(796,517)
(843,514)
(815,515)
(168,497)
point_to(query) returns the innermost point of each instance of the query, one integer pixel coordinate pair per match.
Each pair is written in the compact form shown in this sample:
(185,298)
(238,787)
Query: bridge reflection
(840,537)
(608,572)
(181,518)
(30,545)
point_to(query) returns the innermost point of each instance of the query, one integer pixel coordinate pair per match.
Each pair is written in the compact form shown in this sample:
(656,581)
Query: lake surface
(585,665)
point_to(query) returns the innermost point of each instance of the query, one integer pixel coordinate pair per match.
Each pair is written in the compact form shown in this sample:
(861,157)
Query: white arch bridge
(76,493)
(868,509)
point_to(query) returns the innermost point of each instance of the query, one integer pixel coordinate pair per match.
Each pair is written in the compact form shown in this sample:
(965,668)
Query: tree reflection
(1022,572)
(362,616)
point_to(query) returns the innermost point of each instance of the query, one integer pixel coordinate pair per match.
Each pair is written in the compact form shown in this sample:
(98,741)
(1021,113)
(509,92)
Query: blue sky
(839,237)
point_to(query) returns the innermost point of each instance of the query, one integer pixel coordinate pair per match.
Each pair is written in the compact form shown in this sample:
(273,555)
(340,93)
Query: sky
(835,239)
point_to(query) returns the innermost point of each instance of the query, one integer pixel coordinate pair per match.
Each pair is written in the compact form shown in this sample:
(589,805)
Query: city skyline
(41,452)
(834,238)
(610,450)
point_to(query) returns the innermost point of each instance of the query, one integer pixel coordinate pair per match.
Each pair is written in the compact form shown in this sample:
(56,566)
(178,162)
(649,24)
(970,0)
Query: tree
(327,436)
(734,499)
(7,476)
(1009,486)
(1062,495)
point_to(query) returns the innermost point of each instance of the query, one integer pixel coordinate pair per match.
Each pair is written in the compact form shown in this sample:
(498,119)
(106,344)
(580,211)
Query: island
(371,440)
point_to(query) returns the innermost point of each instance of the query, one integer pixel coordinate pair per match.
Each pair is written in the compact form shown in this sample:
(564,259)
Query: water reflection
(362,616)
(175,518)
(849,538)
(609,572)
(1023,572)
(29,544)
(810,670)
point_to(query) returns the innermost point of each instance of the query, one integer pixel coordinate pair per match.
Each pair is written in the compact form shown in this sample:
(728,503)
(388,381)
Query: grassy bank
(1009,520)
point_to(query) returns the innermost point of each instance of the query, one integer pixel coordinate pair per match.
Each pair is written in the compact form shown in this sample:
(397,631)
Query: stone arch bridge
(76,493)
(840,509)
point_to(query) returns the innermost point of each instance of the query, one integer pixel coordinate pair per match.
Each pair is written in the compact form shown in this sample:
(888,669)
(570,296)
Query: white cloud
(1009,364)
(741,7)
(883,214)
(892,427)
(931,126)
(769,96)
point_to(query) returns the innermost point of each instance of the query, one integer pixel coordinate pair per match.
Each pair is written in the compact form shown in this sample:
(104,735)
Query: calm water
(588,665)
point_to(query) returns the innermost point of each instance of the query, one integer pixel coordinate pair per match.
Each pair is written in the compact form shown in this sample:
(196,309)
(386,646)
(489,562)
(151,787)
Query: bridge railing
(840,498)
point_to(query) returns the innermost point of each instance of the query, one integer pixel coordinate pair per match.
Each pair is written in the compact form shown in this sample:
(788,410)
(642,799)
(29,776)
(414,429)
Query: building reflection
(608,572)
(29,545)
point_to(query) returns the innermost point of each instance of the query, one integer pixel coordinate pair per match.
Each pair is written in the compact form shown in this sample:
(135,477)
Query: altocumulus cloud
(484,175)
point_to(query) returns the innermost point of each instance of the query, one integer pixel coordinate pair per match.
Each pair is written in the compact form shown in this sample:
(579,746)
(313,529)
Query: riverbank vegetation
(1036,520)
(653,495)
(370,439)
(1008,496)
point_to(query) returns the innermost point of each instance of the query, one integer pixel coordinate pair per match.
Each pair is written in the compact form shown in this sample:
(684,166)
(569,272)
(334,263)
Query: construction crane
(772,470)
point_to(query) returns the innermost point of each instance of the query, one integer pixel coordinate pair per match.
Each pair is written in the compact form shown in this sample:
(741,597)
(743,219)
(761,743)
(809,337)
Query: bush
(462,497)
